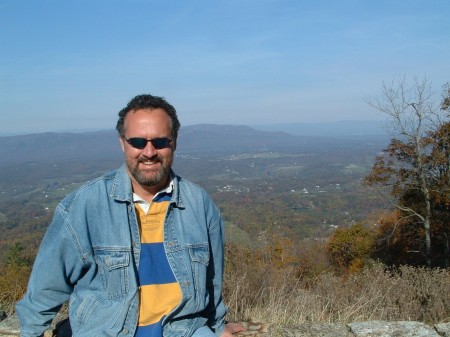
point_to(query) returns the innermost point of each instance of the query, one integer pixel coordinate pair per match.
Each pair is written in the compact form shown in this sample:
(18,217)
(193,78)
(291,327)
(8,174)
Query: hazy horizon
(311,127)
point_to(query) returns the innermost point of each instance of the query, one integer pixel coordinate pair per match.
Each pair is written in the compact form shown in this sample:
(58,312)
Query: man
(137,252)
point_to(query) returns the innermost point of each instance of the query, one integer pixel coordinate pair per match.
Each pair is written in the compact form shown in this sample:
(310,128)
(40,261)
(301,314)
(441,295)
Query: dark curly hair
(148,102)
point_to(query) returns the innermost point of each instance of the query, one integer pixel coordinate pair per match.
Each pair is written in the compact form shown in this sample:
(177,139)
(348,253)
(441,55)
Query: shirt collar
(167,190)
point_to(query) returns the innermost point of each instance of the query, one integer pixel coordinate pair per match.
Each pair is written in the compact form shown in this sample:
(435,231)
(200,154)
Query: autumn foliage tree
(414,169)
(349,249)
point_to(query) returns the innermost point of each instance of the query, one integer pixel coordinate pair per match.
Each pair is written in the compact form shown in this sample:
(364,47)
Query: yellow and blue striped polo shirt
(160,292)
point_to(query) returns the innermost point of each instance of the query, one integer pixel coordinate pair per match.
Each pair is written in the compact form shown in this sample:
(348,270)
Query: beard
(150,176)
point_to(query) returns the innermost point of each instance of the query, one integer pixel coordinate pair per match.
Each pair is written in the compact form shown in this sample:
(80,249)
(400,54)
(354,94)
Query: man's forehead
(149,111)
(131,120)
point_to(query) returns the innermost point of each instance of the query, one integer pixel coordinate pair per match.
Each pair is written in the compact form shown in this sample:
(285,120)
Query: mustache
(156,158)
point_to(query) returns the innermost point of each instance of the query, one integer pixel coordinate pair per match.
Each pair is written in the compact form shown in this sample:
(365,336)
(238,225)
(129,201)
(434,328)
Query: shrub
(349,249)
(13,285)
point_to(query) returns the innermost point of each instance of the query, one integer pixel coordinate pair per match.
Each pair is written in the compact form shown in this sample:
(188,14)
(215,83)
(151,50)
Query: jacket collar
(176,195)
(122,190)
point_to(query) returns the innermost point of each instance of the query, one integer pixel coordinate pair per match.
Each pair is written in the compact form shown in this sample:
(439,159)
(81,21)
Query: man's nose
(149,150)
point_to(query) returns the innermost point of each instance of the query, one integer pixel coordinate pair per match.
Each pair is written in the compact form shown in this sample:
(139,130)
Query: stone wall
(9,327)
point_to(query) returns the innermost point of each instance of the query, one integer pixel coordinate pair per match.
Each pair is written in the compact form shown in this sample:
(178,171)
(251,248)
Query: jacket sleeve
(216,308)
(58,265)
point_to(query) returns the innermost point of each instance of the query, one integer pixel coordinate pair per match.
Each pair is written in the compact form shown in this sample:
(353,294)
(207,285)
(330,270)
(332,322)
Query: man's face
(148,168)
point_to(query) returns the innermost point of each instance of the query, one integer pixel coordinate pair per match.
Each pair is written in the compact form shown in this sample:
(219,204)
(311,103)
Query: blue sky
(69,65)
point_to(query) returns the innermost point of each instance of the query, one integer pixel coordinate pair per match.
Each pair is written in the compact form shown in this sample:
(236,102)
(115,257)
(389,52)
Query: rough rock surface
(387,329)
(9,327)
(443,329)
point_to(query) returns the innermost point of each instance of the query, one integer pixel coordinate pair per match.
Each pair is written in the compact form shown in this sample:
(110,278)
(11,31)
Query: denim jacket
(90,256)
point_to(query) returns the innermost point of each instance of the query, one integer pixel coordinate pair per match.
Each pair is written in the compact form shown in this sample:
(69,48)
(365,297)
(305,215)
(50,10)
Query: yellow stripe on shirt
(165,297)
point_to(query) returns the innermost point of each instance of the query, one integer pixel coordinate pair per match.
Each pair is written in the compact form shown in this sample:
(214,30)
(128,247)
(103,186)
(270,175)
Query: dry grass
(13,284)
(258,292)
(260,287)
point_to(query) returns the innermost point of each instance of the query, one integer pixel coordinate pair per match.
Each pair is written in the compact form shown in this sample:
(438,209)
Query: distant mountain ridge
(104,145)
(53,147)
(341,129)
(231,138)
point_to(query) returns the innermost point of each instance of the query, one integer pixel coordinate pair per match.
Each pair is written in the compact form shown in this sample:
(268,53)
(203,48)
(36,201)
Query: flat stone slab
(443,329)
(10,326)
(392,329)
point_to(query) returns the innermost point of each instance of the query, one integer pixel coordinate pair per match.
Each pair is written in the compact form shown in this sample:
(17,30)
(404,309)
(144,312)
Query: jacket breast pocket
(114,269)
(199,255)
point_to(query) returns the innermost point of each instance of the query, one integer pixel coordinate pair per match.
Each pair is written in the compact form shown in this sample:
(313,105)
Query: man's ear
(122,143)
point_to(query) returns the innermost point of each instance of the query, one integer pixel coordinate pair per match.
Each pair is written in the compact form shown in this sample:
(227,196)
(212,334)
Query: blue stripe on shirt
(151,330)
(153,266)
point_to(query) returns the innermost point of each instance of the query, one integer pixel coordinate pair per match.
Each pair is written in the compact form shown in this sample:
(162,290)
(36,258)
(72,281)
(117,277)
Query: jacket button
(124,331)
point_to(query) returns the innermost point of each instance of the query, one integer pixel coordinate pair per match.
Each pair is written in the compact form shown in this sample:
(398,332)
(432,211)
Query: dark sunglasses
(141,143)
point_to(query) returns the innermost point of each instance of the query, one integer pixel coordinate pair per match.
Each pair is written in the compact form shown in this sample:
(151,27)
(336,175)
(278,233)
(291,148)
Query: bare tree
(406,165)
(445,96)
